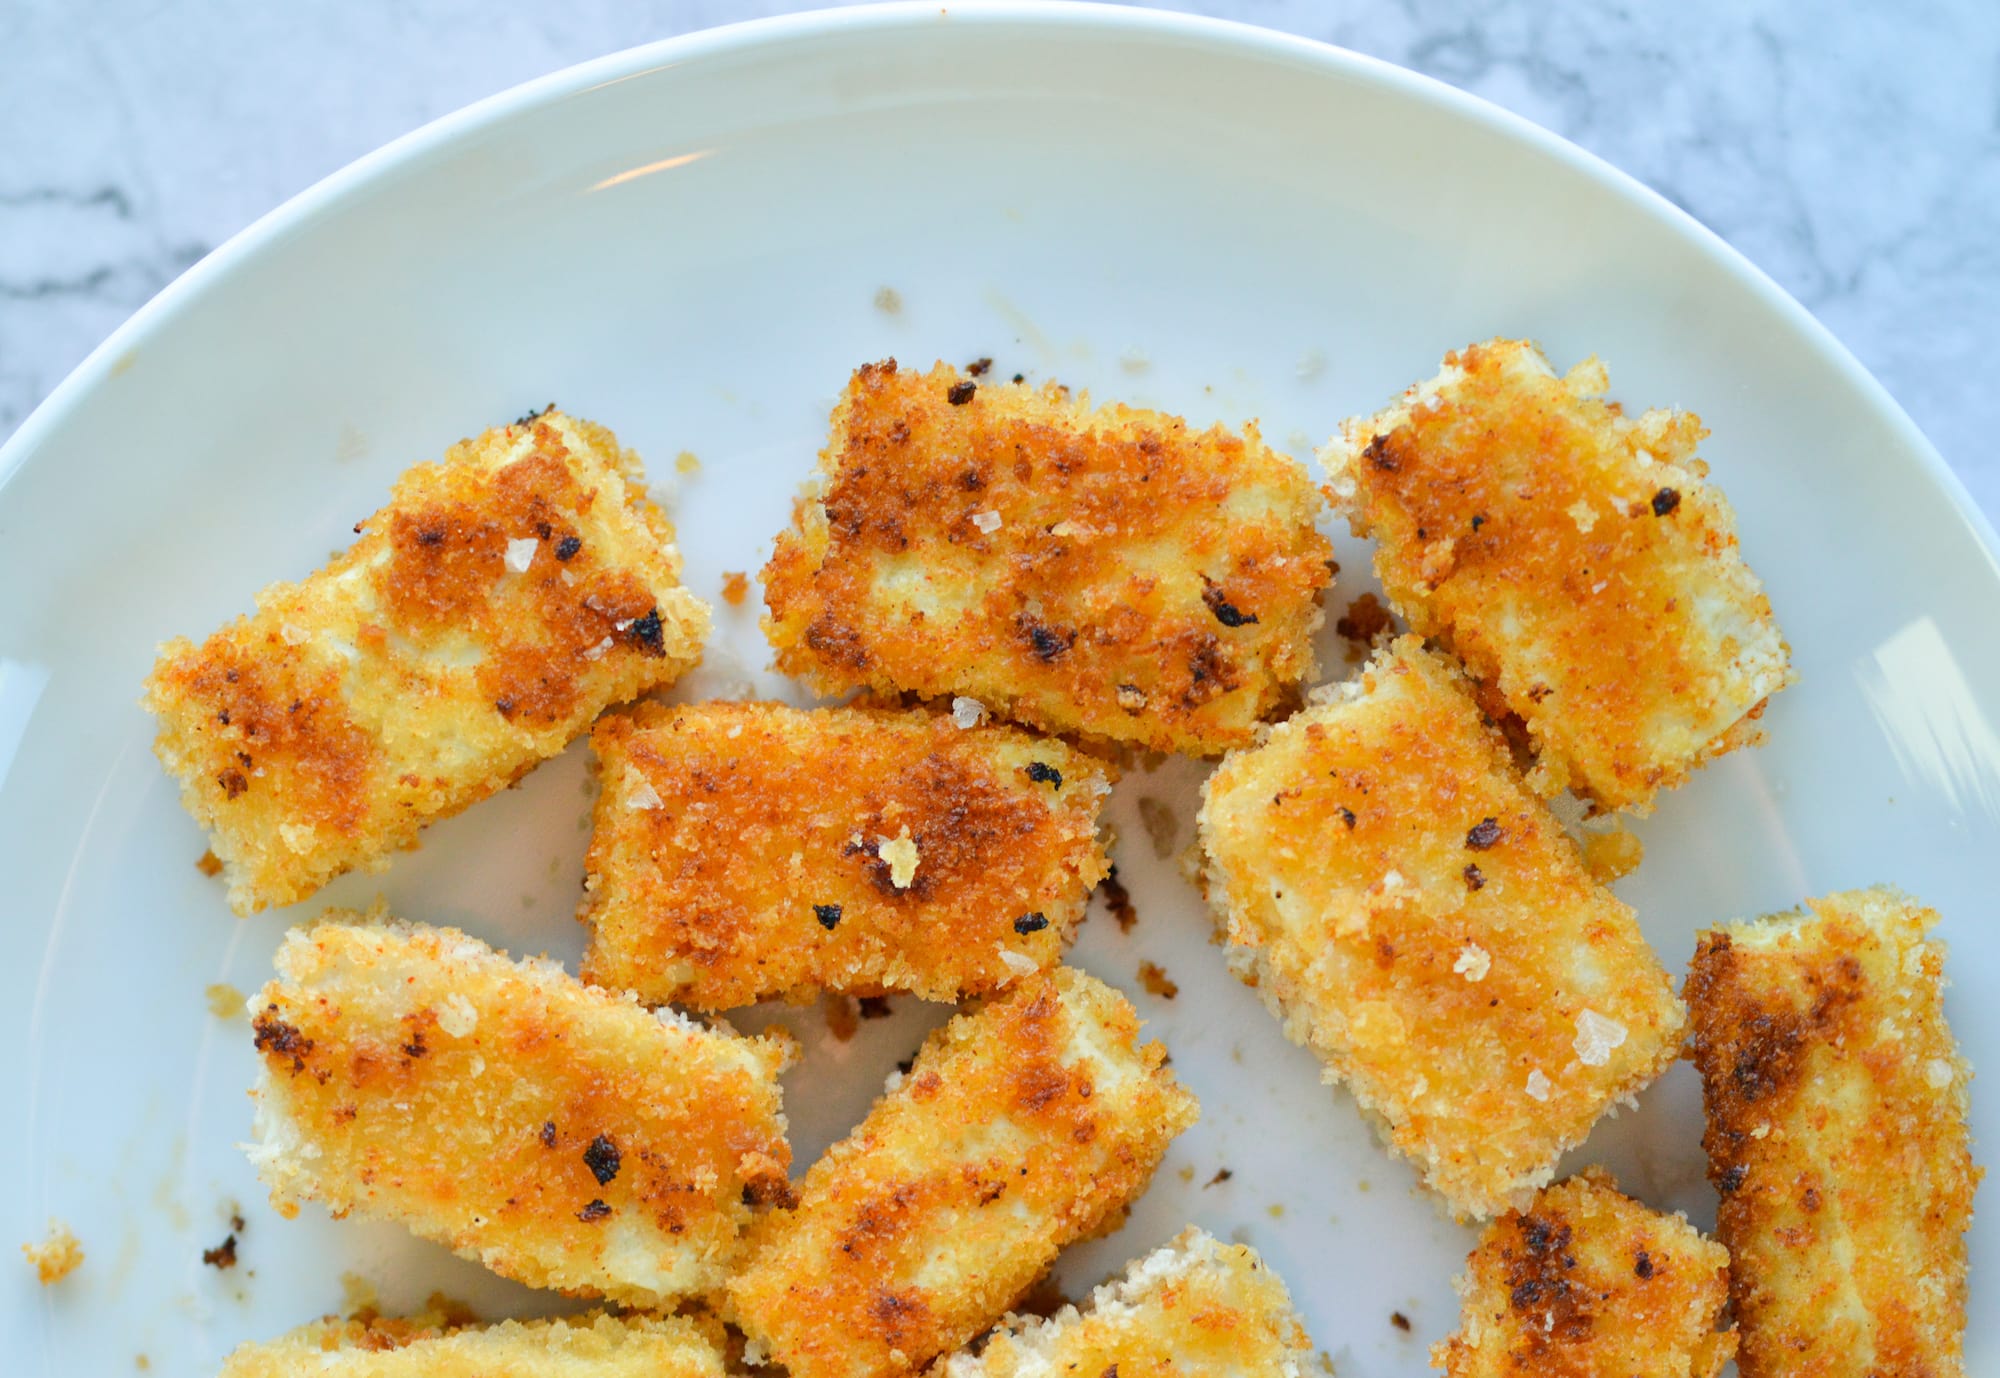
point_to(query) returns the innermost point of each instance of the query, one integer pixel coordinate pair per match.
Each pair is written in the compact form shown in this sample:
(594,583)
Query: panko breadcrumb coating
(1837,1137)
(1019,1129)
(1108,573)
(56,1257)
(1419,920)
(499,603)
(747,850)
(1575,559)
(561,1135)
(1197,1308)
(593,1346)
(1588,1283)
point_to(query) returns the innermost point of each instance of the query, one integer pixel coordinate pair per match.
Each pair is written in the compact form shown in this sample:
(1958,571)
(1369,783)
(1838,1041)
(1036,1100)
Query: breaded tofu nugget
(1575,559)
(1588,1283)
(1107,573)
(1019,1129)
(1837,1137)
(1415,916)
(560,1135)
(1194,1309)
(750,850)
(595,1346)
(499,603)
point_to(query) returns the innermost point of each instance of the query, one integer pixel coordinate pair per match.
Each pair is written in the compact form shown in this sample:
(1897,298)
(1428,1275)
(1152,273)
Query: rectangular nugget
(496,606)
(1019,1129)
(1575,559)
(560,1135)
(1587,1281)
(750,850)
(591,1346)
(1837,1137)
(1105,572)
(1419,920)
(1197,1308)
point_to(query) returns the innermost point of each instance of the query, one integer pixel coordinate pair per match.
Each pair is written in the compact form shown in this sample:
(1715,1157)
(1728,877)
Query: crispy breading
(1575,559)
(559,1134)
(1108,573)
(499,603)
(1837,1137)
(1588,1283)
(746,850)
(56,1257)
(429,1346)
(1419,920)
(1019,1129)
(1197,1308)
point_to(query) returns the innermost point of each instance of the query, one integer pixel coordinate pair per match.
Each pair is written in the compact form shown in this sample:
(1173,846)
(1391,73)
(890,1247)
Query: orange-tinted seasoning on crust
(744,851)
(1018,1130)
(560,1135)
(1577,560)
(1837,1137)
(1417,917)
(501,600)
(1108,573)
(1585,1282)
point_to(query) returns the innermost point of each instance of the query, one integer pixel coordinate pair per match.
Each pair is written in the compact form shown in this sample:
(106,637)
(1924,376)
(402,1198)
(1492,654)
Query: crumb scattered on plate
(56,1257)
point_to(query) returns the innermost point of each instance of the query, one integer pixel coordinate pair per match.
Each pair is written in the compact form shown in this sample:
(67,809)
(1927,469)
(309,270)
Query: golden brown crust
(1576,560)
(1837,1137)
(739,853)
(501,600)
(1105,573)
(561,1135)
(1019,1129)
(1194,1309)
(429,1346)
(1422,922)
(1588,1283)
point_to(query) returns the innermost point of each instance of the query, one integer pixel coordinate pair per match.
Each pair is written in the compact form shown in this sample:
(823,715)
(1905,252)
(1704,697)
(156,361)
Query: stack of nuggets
(1837,1136)
(1019,1130)
(1418,918)
(1197,1308)
(744,851)
(502,600)
(559,1134)
(1103,573)
(429,1347)
(1574,559)
(1588,1282)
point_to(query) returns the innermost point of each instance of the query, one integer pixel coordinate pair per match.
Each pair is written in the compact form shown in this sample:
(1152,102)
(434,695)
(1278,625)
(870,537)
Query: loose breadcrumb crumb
(56,1257)
(1587,1283)
(1109,573)
(735,587)
(1612,854)
(1576,559)
(1837,1136)
(1156,981)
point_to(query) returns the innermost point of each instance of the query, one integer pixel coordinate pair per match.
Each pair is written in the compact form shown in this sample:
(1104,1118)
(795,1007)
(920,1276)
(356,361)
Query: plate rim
(77,390)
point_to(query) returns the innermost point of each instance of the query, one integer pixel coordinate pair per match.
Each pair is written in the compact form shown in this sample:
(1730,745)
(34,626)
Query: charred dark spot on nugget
(828,916)
(1031,923)
(1642,1265)
(601,1156)
(233,782)
(647,635)
(1043,773)
(1049,644)
(548,1133)
(874,1006)
(1226,612)
(1378,455)
(1484,834)
(593,1212)
(1665,501)
(274,1035)
(1346,814)
(567,548)
(961,392)
(529,418)
(1731,1179)
(1475,879)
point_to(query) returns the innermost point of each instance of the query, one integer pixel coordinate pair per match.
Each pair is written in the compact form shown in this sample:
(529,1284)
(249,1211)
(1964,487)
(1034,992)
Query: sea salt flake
(968,712)
(1583,514)
(294,634)
(988,522)
(521,554)
(1938,1073)
(639,792)
(458,1018)
(1538,1085)
(1473,963)
(1018,963)
(1596,1036)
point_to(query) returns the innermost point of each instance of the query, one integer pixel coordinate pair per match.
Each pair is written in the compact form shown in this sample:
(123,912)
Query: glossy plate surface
(695,243)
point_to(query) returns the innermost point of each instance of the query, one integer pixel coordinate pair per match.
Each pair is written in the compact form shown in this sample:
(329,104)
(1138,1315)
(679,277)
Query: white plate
(691,242)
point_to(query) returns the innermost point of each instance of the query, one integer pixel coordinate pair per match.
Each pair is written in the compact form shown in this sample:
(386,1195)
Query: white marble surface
(1852,151)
